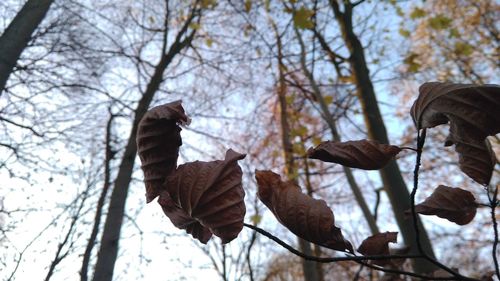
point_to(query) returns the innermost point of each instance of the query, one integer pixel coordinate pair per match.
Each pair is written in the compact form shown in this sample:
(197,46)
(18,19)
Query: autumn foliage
(204,198)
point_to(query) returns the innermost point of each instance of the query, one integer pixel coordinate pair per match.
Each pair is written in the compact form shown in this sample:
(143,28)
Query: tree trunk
(391,176)
(311,269)
(100,203)
(18,34)
(316,248)
(108,251)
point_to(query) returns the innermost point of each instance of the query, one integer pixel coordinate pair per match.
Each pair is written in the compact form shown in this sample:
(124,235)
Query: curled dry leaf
(473,114)
(158,142)
(454,204)
(363,154)
(208,196)
(378,244)
(306,217)
(182,220)
(476,159)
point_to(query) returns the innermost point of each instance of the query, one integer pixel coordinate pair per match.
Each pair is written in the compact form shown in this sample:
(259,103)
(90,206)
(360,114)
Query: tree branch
(358,259)
(36,133)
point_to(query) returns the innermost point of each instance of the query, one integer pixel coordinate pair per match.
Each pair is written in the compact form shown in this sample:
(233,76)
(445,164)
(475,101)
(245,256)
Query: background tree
(111,233)
(394,183)
(18,34)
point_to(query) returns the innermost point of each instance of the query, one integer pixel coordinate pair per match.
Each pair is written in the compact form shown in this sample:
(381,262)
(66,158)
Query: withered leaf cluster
(472,112)
(204,198)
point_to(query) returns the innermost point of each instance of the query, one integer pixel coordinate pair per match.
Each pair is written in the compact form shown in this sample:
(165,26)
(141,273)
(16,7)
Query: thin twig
(377,203)
(420,145)
(252,241)
(493,204)
(358,273)
(350,257)
(359,259)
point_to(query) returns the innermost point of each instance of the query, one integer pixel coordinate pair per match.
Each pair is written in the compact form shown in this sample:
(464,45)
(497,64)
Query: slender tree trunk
(108,251)
(391,176)
(18,34)
(311,269)
(100,203)
(310,191)
(330,121)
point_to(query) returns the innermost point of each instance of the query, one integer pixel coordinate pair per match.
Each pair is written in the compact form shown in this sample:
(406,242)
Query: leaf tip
(232,155)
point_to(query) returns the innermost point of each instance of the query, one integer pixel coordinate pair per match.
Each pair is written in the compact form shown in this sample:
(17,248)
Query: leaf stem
(409,148)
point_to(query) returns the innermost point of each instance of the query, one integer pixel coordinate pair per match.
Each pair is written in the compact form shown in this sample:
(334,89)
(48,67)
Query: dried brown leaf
(391,277)
(477,160)
(158,142)
(378,244)
(211,193)
(454,204)
(473,114)
(182,220)
(441,273)
(488,276)
(306,217)
(363,154)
